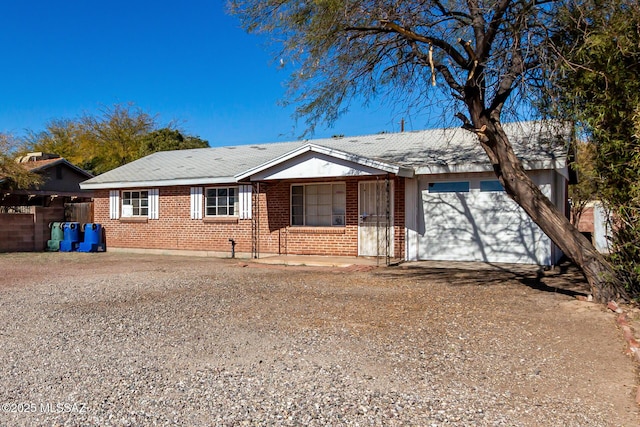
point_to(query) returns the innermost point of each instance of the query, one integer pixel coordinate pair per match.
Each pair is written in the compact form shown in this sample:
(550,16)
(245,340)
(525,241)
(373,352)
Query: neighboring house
(25,215)
(60,182)
(594,224)
(427,195)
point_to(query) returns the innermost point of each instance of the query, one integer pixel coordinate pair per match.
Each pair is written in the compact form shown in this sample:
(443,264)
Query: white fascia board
(558,165)
(406,172)
(385,167)
(157,183)
(564,172)
(452,168)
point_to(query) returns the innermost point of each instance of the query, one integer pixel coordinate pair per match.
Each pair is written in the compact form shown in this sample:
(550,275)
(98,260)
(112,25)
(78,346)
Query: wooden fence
(79,212)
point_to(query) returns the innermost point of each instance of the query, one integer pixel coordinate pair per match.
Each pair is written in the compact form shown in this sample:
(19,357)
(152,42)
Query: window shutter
(196,202)
(114,204)
(153,203)
(245,194)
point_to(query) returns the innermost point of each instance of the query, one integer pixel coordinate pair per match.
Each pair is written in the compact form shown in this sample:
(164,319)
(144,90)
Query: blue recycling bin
(71,234)
(92,239)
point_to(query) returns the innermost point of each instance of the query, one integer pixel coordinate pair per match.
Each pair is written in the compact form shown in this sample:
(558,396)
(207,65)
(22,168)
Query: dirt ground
(519,333)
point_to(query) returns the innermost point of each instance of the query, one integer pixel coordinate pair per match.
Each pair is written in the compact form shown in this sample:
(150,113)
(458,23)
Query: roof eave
(156,183)
(64,161)
(406,172)
(558,165)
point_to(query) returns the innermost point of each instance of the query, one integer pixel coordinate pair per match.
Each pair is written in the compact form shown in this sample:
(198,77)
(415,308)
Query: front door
(375,218)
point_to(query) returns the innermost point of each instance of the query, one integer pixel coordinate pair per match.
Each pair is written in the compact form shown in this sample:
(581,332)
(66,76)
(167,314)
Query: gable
(315,165)
(61,177)
(315,161)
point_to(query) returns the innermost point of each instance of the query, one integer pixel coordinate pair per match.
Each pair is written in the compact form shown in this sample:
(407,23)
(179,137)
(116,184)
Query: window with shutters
(221,201)
(135,203)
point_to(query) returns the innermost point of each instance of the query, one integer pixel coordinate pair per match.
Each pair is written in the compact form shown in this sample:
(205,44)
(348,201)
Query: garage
(469,217)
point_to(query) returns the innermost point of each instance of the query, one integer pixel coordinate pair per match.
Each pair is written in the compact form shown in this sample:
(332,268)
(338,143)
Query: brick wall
(585,224)
(44,217)
(17,232)
(174,230)
(28,232)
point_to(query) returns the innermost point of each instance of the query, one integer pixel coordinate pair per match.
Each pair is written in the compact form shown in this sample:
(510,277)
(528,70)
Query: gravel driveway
(121,339)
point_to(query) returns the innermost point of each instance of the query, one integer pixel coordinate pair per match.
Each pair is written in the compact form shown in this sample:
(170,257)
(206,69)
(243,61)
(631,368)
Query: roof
(40,165)
(538,144)
(37,166)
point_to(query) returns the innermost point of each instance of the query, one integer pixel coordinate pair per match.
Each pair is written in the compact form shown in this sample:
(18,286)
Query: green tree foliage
(64,137)
(599,86)
(99,143)
(13,175)
(582,192)
(167,139)
(117,135)
(477,53)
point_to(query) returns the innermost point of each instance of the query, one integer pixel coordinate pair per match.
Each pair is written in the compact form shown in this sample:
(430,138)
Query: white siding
(601,228)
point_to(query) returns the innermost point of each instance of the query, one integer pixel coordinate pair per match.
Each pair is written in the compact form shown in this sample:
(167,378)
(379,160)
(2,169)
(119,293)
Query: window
(318,205)
(493,185)
(135,203)
(221,201)
(449,187)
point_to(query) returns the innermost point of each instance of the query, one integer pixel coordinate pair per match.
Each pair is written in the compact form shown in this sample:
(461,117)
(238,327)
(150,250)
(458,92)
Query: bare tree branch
(446,47)
(485,43)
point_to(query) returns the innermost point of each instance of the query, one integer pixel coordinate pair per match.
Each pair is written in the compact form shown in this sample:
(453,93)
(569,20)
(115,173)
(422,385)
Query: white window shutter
(114,204)
(153,203)
(196,202)
(245,193)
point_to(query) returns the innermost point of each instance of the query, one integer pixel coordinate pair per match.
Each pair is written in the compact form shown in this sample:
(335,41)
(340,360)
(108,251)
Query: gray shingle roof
(539,146)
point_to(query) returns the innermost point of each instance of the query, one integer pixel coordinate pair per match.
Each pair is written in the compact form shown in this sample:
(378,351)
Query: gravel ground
(127,340)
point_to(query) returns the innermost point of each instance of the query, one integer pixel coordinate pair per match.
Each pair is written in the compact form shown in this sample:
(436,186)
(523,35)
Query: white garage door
(475,220)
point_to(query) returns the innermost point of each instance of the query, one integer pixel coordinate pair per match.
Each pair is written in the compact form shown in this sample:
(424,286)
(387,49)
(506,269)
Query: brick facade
(175,230)
(585,225)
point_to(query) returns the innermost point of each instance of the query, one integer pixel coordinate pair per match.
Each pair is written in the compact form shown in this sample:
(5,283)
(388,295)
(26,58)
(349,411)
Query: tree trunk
(510,171)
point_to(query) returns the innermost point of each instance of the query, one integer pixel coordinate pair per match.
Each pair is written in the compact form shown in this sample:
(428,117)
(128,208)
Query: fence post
(38,228)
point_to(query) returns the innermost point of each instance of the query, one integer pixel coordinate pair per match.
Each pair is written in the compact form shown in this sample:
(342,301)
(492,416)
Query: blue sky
(183,60)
